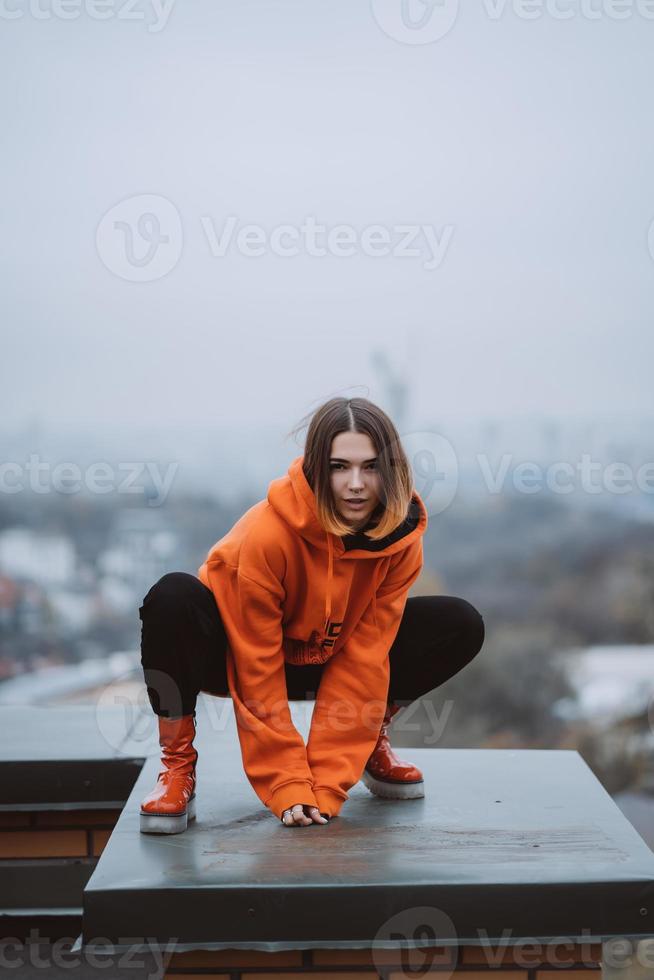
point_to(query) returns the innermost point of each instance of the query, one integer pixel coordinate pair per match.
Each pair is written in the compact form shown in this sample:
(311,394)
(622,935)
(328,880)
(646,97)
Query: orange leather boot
(171,804)
(386,775)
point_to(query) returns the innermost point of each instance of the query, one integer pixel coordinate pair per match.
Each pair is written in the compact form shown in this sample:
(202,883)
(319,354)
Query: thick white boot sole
(392,790)
(167,823)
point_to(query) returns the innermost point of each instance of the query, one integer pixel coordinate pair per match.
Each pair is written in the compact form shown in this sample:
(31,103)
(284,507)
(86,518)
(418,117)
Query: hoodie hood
(295,502)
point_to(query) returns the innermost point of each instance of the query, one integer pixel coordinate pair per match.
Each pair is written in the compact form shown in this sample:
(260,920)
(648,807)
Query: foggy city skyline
(540,305)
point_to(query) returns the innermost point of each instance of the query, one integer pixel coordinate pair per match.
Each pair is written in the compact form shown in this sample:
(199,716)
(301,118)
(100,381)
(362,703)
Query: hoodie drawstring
(330,573)
(380,571)
(374,591)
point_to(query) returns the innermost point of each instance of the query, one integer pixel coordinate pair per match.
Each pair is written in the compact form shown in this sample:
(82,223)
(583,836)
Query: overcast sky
(524,147)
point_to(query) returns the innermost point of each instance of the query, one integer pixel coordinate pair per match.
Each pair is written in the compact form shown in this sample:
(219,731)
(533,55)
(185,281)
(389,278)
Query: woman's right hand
(302,815)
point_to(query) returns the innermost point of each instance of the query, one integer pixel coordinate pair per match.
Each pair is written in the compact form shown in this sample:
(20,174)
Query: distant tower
(491,430)
(550,432)
(395,387)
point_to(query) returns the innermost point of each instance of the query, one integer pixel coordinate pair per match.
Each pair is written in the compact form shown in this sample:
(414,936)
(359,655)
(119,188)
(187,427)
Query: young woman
(306,597)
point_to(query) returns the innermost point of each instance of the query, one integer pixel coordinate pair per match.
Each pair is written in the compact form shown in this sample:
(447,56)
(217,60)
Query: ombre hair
(395,478)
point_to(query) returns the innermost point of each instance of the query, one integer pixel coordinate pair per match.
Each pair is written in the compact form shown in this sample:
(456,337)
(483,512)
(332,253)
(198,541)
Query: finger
(316,815)
(300,816)
(295,816)
(290,816)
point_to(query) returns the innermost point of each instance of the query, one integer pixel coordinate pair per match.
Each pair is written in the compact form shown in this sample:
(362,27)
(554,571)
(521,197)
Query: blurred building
(144,544)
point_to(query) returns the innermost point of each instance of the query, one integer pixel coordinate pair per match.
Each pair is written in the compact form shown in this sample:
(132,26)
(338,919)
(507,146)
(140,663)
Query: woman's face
(354,476)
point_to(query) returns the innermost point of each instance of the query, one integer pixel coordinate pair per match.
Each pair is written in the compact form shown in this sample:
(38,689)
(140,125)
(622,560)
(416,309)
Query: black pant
(183,644)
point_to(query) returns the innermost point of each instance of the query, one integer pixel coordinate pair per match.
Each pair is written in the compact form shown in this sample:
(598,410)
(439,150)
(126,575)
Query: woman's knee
(472,626)
(170,589)
(456,617)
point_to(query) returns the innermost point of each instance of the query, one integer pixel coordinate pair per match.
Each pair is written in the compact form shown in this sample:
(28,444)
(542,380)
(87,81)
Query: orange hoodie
(288,590)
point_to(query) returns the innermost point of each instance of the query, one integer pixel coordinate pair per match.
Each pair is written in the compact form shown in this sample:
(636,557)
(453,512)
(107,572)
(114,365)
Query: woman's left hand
(302,815)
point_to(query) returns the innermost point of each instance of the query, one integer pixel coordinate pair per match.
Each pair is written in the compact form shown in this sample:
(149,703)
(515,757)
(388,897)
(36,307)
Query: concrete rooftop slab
(67,757)
(505,844)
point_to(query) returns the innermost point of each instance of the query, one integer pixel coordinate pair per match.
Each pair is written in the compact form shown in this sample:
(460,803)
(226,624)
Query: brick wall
(46,859)
(61,834)
(467,962)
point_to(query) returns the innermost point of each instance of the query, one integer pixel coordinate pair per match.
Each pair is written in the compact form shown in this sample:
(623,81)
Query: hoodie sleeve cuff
(299,791)
(328,801)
